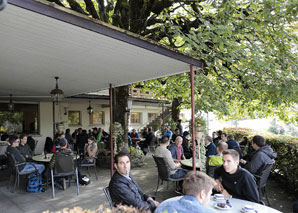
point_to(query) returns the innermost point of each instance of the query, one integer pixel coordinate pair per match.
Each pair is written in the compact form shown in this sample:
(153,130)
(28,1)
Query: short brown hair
(233,153)
(195,181)
(222,146)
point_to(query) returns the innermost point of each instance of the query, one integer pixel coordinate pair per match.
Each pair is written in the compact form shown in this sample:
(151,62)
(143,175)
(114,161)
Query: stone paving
(92,196)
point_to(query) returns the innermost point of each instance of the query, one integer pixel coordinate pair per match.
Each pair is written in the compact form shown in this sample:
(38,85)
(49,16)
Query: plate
(227,206)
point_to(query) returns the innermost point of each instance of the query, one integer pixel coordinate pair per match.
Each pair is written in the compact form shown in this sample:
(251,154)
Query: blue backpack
(34,183)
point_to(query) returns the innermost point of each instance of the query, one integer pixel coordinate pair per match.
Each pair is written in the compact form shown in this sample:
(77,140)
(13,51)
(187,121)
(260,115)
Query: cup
(248,208)
(219,196)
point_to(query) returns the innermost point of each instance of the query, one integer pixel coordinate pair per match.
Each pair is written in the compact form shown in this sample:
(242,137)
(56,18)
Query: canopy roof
(40,40)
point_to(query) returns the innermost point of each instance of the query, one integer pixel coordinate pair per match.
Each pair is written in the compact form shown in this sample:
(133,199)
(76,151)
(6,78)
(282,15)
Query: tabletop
(237,205)
(188,163)
(47,158)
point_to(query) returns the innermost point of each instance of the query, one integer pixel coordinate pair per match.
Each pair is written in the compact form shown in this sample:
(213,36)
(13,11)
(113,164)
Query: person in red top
(176,150)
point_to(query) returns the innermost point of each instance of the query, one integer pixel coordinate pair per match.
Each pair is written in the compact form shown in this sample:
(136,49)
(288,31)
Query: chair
(262,179)
(64,166)
(108,196)
(91,165)
(14,169)
(163,172)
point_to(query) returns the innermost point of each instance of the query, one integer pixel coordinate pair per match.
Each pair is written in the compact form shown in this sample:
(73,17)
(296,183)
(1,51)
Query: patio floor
(92,196)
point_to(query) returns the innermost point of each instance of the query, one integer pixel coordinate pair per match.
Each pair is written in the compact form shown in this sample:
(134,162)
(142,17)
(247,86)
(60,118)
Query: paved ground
(92,196)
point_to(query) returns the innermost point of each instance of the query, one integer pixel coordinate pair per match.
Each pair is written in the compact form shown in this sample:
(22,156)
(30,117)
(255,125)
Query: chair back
(48,147)
(265,172)
(64,164)
(108,196)
(11,161)
(163,171)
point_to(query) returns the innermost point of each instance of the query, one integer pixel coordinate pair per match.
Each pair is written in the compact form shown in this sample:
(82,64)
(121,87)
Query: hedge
(286,147)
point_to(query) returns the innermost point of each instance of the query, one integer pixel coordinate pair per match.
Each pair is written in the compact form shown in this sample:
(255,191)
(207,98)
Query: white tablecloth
(188,162)
(237,205)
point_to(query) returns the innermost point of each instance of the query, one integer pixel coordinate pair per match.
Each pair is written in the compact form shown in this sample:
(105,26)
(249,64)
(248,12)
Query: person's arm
(170,162)
(250,190)
(255,164)
(91,150)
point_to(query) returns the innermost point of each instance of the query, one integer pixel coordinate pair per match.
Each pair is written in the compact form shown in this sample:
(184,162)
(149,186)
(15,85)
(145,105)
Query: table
(188,163)
(236,204)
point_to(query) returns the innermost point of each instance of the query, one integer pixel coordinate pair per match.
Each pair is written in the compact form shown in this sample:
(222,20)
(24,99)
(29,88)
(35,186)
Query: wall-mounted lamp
(57,94)
(90,109)
(129,105)
(10,104)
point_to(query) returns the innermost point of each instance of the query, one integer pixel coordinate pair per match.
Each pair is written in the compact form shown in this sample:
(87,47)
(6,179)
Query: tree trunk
(120,95)
(175,108)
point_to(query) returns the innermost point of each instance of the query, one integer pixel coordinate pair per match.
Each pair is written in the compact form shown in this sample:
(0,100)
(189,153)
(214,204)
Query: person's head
(230,160)
(199,185)
(219,132)
(23,139)
(178,141)
(186,134)
(164,140)
(149,129)
(80,130)
(214,135)
(122,163)
(221,147)
(63,143)
(207,140)
(177,131)
(100,130)
(231,137)
(179,121)
(91,139)
(67,131)
(257,142)
(223,136)
(14,141)
(61,135)
(168,129)
(5,137)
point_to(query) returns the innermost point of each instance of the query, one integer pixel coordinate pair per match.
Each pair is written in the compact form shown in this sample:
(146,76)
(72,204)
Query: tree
(249,50)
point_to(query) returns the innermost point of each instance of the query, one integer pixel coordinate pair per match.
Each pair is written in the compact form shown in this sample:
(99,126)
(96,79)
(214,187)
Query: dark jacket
(241,185)
(25,150)
(61,152)
(150,139)
(232,144)
(261,156)
(210,149)
(125,191)
(17,155)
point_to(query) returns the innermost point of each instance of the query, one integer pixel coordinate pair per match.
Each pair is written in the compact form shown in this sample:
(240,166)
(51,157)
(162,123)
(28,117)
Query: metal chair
(93,164)
(15,171)
(262,179)
(108,196)
(163,172)
(64,167)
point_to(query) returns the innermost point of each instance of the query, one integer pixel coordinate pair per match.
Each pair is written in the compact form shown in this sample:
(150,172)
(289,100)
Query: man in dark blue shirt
(209,146)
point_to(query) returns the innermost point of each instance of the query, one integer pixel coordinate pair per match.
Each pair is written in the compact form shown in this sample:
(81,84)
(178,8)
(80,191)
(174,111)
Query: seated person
(186,145)
(263,154)
(236,181)
(209,146)
(12,149)
(168,133)
(134,134)
(177,150)
(215,161)
(231,142)
(176,134)
(56,146)
(124,189)
(197,188)
(24,148)
(90,151)
(150,140)
(62,151)
(176,171)
(3,146)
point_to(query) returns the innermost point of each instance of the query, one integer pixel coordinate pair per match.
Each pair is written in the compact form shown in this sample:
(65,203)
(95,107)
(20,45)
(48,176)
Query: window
(23,119)
(97,118)
(135,117)
(151,116)
(74,118)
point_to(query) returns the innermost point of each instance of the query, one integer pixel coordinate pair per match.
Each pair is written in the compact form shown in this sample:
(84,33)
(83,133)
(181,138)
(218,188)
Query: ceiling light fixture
(57,94)
(10,104)
(90,109)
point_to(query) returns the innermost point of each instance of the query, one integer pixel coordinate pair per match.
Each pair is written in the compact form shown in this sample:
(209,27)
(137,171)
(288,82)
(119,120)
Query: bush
(286,148)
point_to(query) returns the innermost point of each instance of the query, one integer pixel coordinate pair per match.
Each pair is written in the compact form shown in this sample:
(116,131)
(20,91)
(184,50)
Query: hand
(226,194)
(243,161)
(155,202)
(219,186)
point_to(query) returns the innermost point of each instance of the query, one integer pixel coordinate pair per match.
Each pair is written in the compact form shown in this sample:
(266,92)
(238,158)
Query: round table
(43,158)
(188,163)
(236,204)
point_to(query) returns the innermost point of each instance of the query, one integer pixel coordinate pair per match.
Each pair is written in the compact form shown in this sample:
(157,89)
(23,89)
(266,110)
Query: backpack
(34,183)
(84,180)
